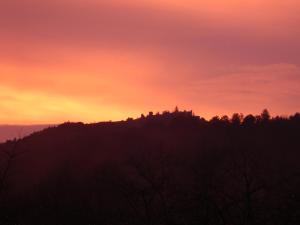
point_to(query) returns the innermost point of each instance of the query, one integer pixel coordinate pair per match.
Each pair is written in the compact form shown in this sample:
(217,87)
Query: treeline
(172,168)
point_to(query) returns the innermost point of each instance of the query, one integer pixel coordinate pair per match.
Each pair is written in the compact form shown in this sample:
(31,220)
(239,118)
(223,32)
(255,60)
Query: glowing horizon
(105,60)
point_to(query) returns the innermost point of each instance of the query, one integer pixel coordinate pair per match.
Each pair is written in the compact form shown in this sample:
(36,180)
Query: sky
(95,60)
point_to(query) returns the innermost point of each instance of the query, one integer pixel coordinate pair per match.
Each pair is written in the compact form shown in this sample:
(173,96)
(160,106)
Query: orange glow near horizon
(98,60)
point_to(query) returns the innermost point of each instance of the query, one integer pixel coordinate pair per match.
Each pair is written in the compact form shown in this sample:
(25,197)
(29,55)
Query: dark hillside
(170,168)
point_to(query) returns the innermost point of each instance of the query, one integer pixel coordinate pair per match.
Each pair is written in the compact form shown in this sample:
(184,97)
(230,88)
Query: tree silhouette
(265,115)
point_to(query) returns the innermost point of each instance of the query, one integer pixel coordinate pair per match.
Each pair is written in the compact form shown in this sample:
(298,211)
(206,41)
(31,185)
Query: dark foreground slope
(166,169)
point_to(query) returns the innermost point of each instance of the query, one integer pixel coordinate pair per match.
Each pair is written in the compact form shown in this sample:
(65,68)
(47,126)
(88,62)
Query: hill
(170,168)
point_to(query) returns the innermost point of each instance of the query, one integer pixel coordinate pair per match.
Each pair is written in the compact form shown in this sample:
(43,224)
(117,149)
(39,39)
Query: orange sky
(93,60)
